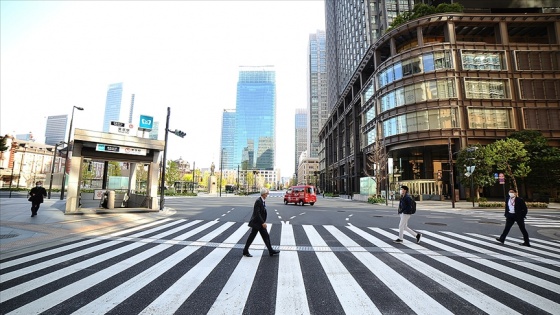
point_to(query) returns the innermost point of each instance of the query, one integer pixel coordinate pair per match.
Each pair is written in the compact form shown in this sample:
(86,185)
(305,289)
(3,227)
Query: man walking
(515,212)
(36,195)
(258,225)
(405,211)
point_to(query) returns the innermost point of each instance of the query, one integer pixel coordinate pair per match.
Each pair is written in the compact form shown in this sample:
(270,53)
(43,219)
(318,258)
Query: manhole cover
(8,235)
(436,223)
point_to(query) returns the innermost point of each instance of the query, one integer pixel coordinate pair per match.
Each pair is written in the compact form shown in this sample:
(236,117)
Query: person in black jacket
(258,225)
(36,195)
(405,211)
(516,211)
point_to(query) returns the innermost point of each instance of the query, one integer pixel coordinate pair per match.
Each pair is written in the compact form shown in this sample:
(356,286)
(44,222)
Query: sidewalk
(19,231)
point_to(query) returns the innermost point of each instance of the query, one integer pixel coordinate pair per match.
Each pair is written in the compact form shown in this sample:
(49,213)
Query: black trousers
(35,207)
(510,220)
(251,238)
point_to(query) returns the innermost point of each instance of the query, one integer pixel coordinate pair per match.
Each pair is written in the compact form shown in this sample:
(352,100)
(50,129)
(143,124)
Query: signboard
(146,123)
(368,186)
(501,178)
(120,149)
(98,194)
(122,128)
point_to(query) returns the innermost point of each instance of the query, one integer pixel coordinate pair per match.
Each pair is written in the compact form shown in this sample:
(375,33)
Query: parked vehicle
(301,195)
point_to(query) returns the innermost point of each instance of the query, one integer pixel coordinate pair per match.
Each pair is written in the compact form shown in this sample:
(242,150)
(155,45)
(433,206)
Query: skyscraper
(56,129)
(317,81)
(255,118)
(228,137)
(154,133)
(131,109)
(300,135)
(352,26)
(112,105)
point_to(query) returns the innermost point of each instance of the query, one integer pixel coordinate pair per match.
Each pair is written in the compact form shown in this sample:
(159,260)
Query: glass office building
(317,82)
(228,137)
(300,135)
(56,129)
(112,105)
(255,118)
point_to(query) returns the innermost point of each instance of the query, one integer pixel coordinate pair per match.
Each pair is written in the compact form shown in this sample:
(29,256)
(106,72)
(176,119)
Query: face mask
(38,185)
(512,195)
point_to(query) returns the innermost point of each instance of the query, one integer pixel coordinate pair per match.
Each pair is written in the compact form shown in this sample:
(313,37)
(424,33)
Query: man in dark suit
(36,195)
(516,211)
(258,225)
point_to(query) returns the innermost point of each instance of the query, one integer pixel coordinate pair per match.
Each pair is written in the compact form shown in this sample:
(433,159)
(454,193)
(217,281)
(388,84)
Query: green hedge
(501,204)
(376,199)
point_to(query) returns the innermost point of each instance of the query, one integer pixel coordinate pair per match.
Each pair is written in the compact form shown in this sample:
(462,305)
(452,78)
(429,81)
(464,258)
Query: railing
(423,186)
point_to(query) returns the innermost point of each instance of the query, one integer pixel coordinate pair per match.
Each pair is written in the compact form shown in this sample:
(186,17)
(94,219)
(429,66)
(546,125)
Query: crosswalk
(540,220)
(175,266)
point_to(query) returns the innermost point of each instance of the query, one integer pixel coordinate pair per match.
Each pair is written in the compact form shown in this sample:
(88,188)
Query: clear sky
(179,54)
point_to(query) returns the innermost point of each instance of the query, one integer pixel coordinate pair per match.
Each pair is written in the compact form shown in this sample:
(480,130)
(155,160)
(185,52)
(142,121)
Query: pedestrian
(515,211)
(36,195)
(258,225)
(405,211)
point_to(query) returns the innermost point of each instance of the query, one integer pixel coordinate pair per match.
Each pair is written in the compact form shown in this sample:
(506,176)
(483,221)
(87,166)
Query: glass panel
(402,125)
(420,92)
(434,119)
(481,118)
(390,75)
(411,123)
(399,96)
(422,120)
(431,90)
(409,95)
(428,60)
(397,70)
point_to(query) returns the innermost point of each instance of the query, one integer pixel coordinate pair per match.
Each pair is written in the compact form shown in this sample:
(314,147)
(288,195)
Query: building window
(542,118)
(539,89)
(490,118)
(487,89)
(537,60)
(477,60)
(419,92)
(432,119)
(425,63)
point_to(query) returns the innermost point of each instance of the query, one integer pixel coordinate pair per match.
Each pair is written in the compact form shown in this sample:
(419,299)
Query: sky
(184,55)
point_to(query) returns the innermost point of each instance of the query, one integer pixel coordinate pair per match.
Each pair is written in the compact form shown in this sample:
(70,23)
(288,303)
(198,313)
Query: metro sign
(146,122)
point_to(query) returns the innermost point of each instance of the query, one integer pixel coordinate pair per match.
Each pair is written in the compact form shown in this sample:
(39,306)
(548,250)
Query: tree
(3,146)
(420,10)
(171,173)
(87,174)
(510,156)
(482,160)
(544,162)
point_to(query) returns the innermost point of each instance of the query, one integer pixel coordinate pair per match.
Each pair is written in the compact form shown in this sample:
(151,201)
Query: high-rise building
(228,139)
(432,86)
(56,129)
(131,109)
(352,27)
(255,118)
(317,81)
(112,105)
(154,133)
(301,123)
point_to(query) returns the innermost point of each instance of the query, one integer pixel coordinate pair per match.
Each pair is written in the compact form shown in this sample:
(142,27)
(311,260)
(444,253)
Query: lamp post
(67,152)
(52,165)
(221,170)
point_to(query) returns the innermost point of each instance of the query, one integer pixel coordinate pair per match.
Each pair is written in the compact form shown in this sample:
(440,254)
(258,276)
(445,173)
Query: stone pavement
(21,232)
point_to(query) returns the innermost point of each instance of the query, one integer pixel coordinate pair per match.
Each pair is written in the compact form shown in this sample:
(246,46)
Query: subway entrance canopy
(115,147)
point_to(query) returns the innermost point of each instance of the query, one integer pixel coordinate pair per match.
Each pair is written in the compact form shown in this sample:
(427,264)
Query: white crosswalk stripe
(360,271)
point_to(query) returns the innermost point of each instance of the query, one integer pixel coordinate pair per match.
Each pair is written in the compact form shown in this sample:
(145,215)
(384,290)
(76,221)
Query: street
(337,257)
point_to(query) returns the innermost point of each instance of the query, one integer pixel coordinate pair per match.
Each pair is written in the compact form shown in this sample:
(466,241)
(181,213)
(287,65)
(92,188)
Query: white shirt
(511,205)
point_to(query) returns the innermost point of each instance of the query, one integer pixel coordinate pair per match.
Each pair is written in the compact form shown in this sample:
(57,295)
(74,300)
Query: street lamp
(67,152)
(52,165)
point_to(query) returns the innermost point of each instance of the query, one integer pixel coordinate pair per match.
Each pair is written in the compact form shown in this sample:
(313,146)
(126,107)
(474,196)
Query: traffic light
(179,133)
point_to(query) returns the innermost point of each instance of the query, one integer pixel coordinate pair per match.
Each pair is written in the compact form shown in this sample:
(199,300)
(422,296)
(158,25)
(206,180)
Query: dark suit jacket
(520,208)
(37,193)
(259,214)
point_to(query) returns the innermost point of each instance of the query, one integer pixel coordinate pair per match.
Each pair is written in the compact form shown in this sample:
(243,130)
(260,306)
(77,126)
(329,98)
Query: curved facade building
(436,85)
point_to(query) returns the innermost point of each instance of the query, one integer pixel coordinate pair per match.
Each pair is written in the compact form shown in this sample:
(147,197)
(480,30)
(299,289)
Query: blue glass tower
(112,105)
(255,118)
(56,129)
(228,139)
(301,134)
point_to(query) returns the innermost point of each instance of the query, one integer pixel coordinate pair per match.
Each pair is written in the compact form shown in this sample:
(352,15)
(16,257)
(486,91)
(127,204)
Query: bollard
(111,201)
